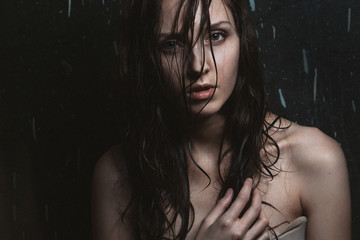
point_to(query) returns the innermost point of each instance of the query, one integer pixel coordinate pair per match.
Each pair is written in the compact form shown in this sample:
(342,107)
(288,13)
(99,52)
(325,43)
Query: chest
(203,201)
(281,193)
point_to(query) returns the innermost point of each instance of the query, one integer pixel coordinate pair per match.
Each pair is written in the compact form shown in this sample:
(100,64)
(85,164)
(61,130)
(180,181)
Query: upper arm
(110,197)
(325,192)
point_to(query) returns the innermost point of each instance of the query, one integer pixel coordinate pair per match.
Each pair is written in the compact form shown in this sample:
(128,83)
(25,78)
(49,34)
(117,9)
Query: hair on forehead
(155,130)
(186,12)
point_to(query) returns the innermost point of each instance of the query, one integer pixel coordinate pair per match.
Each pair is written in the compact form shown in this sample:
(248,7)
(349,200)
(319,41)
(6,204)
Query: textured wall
(58,98)
(312,62)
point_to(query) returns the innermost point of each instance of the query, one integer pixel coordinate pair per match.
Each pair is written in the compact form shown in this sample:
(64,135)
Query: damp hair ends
(153,143)
(154,156)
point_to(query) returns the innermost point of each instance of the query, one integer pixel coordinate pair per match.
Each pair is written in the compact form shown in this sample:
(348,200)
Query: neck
(208,131)
(206,136)
(205,139)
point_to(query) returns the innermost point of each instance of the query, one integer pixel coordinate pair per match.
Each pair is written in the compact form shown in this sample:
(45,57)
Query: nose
(199,61)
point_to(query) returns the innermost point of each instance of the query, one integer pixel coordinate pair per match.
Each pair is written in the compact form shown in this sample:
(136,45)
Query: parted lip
(200,92)
(199,87)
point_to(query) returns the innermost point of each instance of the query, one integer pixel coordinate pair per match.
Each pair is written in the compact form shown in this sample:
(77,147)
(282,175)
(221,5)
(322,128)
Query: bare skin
(313,183)
(312,180)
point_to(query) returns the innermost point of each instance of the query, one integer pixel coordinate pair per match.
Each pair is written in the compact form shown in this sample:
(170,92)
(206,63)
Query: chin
(208,111)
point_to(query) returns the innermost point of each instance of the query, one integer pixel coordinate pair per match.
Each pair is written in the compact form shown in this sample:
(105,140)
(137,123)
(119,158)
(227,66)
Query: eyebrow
(214,25)
(217,24)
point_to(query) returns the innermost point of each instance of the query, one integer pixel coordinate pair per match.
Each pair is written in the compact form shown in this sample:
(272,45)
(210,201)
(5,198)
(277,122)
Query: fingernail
(228,192)
(248,180)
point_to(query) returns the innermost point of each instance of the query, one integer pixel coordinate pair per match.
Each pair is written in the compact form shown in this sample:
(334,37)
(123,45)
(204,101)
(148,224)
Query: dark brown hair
(155,131)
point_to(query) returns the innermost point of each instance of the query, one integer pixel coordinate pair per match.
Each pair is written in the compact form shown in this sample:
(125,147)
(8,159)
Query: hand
(224,223)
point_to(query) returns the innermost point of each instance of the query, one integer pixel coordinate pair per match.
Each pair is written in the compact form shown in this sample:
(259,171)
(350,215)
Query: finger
(264,236)
(220,207)
(253,213)
(242,198)
(260,229)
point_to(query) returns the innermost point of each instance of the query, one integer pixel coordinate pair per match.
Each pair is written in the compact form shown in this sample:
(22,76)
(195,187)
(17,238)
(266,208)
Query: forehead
(218,12)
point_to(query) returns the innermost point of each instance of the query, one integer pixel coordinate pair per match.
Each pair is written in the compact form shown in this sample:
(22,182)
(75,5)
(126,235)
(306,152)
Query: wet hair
(153,143)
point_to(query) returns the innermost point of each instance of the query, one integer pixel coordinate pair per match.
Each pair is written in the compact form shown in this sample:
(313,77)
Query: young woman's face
(208,83)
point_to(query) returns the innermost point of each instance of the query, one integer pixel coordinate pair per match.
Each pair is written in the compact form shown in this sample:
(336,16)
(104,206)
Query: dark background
(59,103)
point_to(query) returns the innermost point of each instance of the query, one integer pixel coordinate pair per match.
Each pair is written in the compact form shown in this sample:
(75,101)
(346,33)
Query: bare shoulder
(313,151)
(111,166)
(110,197)
(110,175)
(304,148)
(318,167)
(309,152)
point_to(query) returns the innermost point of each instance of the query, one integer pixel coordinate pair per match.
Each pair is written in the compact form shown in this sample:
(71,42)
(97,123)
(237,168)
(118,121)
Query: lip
(200,92)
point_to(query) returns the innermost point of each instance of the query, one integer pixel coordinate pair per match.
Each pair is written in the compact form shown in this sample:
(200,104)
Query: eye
(170,45)
(217,36)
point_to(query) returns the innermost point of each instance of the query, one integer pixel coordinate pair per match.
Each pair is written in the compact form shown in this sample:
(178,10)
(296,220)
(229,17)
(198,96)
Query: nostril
(193,75)
(195,70)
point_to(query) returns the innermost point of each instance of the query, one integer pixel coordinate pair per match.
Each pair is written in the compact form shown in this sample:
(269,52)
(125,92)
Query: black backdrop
(59,100)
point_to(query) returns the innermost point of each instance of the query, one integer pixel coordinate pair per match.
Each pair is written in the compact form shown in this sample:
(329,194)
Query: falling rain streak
(252,5)
(315,83)
(69,8)
(116,49)
(353,106)
(282,99)
(306,65)
(349,19)
(274,31)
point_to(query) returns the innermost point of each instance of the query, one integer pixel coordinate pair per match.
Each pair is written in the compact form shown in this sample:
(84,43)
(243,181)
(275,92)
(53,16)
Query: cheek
(172,72)
(166,66)
(227,62)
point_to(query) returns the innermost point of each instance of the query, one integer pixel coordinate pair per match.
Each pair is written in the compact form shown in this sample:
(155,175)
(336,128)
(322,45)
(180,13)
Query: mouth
(201,92)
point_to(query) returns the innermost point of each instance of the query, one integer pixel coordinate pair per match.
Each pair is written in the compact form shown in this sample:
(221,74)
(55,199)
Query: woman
(202,158)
